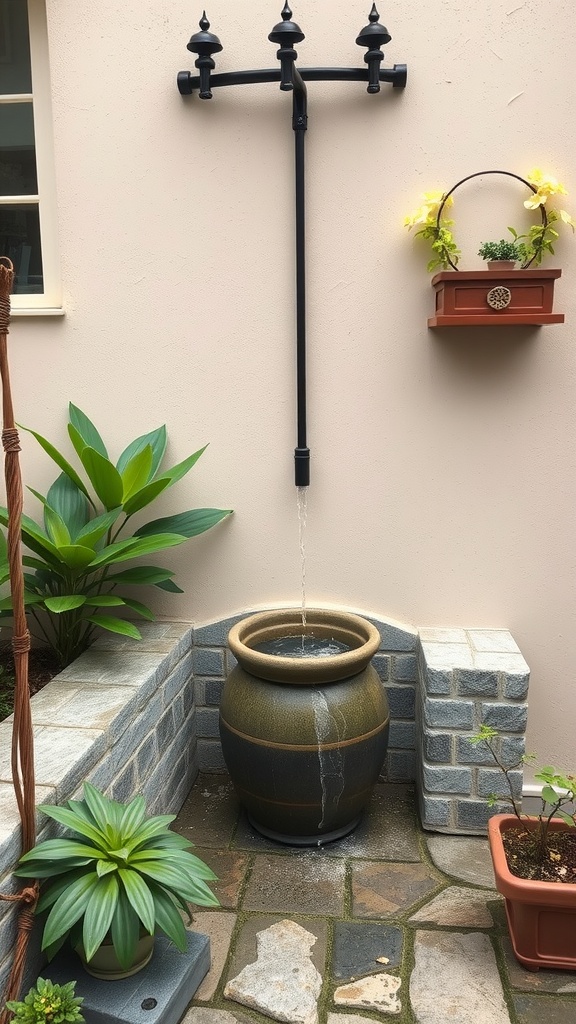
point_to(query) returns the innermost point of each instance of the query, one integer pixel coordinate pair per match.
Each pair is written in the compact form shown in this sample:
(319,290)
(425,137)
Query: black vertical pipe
(299,124)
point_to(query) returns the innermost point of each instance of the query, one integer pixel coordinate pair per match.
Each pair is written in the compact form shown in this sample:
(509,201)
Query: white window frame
(48,302)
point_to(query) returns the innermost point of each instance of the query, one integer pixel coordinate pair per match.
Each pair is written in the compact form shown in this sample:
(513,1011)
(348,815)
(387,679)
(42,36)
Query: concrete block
(178,678)
(213,691)
(443,635)
(208,661)
(505,717)
(515,686)
(434,812)
(512,749)
(472,753)
(229,661)
(402,734)
(437,747)
(438,681)
(401,766)
(165,729)
(449,714)
(404,668)
(446,779)
(473,815)
(474,683)
(215,634)
(144,723)
(381,663)
(126,784)
(491,780)
(210,756)
(207,722)
(492,641)
(402,700)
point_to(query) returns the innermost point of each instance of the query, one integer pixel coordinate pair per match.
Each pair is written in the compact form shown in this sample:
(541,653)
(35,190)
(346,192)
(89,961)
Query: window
(27,193)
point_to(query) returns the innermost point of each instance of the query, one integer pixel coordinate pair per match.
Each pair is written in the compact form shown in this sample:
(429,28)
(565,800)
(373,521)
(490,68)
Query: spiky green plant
(118,872)
(72,589)
(47,1003)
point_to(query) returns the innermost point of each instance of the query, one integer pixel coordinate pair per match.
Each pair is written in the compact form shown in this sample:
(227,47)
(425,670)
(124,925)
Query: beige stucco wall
(443,463)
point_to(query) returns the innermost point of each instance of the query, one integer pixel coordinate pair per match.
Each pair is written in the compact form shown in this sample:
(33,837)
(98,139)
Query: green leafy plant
(505,249)
(47,1003)
(72,588)
(557,794)
(117,872)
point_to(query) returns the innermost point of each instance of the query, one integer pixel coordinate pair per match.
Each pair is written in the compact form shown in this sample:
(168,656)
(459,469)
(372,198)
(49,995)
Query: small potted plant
(505,254)
(534,858)
(46,1003)
(114,881)
(487,297)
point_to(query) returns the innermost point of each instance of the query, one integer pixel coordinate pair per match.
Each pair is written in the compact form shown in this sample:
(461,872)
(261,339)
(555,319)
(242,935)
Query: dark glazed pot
(304,739)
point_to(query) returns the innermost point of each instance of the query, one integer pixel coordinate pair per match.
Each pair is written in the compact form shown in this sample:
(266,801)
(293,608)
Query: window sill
(46,311)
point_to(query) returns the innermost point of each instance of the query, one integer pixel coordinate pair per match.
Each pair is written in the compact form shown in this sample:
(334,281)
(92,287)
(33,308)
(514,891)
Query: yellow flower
(545,184)
(428,212)
(567,218)
(535,201)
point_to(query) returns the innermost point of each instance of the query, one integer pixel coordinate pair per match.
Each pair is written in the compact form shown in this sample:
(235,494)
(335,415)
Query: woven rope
(22,738)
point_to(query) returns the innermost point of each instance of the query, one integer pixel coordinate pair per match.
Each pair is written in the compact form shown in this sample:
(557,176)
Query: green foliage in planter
(118,872)
(72,588)
(47,1003)
(504,249)
(558,793)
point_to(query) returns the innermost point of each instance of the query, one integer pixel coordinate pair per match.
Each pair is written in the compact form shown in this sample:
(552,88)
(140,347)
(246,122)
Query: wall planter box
(541,915)
(470,298)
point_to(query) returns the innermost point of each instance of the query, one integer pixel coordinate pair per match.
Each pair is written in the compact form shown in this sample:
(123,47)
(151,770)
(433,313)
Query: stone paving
(388,923)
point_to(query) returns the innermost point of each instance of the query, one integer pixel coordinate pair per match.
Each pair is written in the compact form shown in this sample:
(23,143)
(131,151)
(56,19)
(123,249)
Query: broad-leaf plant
(115,873)
(75,569)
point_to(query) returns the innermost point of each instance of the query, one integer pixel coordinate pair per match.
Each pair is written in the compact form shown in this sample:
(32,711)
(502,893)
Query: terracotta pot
(304,739)
(499,297)
(104,964)
(541,915)
(501,264)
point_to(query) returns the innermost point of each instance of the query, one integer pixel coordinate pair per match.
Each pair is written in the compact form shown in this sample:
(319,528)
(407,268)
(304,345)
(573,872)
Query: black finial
(374,36)
(286,12)
(204,43)
(286,33)
(204,23)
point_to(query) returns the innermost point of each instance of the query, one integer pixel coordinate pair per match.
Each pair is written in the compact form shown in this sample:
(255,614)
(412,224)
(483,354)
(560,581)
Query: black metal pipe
(188,83)
(300,124)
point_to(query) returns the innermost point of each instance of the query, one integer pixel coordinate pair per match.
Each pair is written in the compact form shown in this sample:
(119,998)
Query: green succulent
(504,249)
(119,872)
(47,1003)
(72,588)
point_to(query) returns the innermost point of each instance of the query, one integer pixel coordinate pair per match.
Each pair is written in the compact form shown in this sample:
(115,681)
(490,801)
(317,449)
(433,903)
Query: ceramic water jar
(304,738)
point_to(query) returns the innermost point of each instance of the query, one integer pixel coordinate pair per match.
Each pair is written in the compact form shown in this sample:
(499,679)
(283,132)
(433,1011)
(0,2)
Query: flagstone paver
(562,982)
(386,889)
(540,1010)
(283,983)
(218,926)
(464,857)
(359,945)
(246,946)
(378,992)
(230,869)
(304,885)
(455,979)
(456,907)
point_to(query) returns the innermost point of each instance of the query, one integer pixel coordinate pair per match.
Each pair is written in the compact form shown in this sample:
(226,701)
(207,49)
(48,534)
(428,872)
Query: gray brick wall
(467,677)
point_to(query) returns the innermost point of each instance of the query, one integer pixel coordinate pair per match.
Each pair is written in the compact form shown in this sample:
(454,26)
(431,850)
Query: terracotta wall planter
(541,915)
(471,298)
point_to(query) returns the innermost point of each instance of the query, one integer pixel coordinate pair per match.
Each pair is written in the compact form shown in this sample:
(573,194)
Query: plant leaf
(169,586)
(93,531)
(86,429)
(104,477)
(137,471)
(145,495)
(168,917)
(140,608)
(68,908)
(172,878)
(141,574)
(135,547)
(139,896)
(114,625)
(56,527)
(60,461)
(98,914)
(76,556)
(64,604)
(157,441)
(180,470)
(70,503)
(76,821)
(188,524)
(125,930)
(105,601)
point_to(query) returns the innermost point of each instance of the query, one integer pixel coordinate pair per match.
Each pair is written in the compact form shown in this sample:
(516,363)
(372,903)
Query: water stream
(302,498)
(330,761)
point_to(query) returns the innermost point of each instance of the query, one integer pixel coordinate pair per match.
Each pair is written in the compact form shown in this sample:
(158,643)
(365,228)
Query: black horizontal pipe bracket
(293,79)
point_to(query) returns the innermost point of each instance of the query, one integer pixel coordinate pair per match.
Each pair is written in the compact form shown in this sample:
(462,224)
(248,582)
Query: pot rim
(353,629)
(526,890)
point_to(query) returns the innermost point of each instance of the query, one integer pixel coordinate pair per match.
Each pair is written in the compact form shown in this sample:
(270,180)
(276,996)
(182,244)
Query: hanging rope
(22,740)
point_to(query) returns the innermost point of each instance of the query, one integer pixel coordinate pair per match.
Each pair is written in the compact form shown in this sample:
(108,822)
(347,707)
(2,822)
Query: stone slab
(230,869)
(245,944)
(208,816)
(168,982)
(539,1010)
(388,829)
(464,857)
(283,983)
(386,890)
(218,926)
(378,992)
(456,979)
(312,883)
(357,948)
(456,907)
